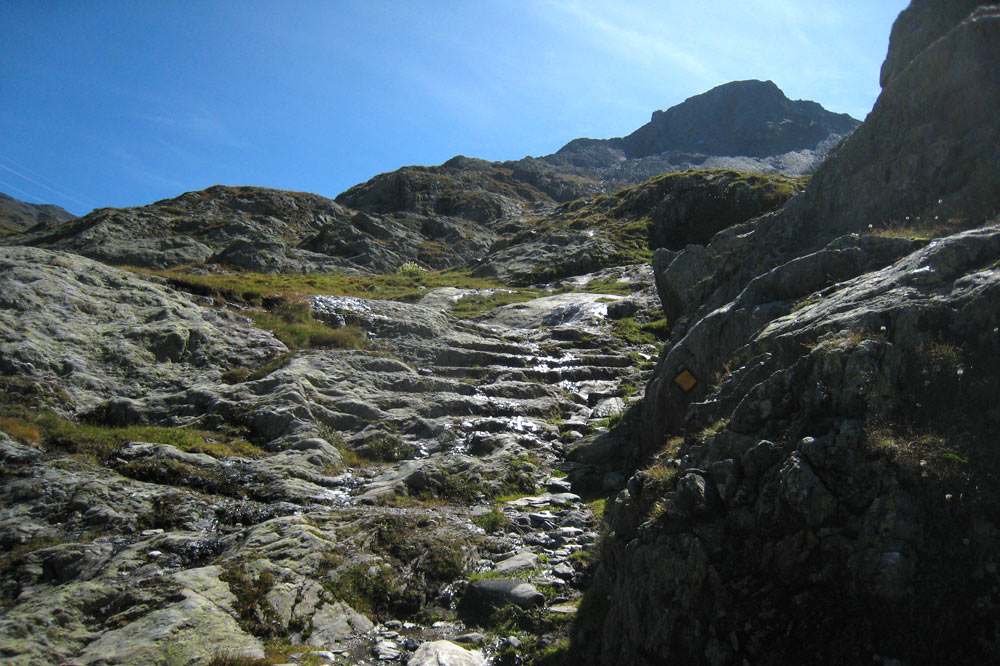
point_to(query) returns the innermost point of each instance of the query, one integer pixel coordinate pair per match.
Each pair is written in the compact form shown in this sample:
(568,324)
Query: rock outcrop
(814,444)
(669,211)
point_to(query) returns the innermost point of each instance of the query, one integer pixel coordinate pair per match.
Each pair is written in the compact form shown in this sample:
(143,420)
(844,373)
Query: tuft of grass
(387,449)
(494,521)
(708,431)
(254,613)
(410,269)
(597,506)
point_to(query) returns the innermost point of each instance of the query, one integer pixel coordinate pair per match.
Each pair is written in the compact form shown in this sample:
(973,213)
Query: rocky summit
(492,413)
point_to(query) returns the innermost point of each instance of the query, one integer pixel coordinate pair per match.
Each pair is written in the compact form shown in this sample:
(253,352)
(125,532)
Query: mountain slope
(17,215)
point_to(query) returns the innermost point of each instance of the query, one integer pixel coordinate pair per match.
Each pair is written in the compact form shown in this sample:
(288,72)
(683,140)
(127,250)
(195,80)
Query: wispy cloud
(636,34)
(57,190)
(137,168)
(195,124)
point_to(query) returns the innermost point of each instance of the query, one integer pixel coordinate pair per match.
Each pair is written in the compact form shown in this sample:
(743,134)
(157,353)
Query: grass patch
(473,305)
(520,574)
(256,288)
(293,324)
(597,507)
(98,442)
(605,286)
(631,332)
(918,229)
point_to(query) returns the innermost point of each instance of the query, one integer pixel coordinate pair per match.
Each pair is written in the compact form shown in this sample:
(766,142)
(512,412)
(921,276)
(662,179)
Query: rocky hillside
(178,487)
(270,231)
(263,230)
(294,442)
(814,449)
(19,215)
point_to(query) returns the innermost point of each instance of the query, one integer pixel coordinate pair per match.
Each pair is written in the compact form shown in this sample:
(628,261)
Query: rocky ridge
(523,238)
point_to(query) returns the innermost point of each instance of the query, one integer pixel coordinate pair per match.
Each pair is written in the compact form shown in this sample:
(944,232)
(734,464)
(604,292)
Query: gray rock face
(104,333)
(782,497)
(487,593)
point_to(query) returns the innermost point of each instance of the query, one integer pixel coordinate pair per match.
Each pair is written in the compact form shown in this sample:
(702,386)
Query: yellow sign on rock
(686,380)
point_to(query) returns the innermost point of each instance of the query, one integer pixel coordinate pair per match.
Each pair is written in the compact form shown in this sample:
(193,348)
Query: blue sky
(124,103)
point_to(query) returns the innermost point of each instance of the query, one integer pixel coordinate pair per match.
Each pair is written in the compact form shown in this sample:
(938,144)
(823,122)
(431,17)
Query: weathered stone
(523,560)
(441,653)
(336,622)
(486,593)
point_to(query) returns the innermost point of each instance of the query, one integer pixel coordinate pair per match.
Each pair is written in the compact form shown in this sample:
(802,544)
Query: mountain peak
(752,118)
